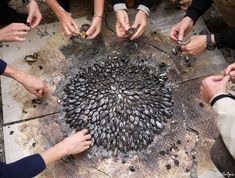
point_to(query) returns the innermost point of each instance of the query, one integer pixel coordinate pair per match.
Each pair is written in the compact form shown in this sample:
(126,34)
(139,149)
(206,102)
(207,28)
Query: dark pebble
(131,168)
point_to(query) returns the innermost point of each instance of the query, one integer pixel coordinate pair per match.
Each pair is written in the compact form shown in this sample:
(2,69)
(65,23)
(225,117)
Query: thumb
(226,79)
(30,17)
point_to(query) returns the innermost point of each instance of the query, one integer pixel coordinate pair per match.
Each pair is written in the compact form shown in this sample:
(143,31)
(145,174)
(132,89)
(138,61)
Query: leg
(222,159)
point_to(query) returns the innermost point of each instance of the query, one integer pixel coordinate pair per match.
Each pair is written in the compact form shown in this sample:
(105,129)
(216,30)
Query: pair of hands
(122,23)
(195,45)
(19,31)
(68,25)
(214,85)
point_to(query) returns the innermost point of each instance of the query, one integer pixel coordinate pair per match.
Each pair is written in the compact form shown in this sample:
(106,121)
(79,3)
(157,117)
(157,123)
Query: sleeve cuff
(193,14)
(220,96)
(119,6)
(3,66)
(144,8)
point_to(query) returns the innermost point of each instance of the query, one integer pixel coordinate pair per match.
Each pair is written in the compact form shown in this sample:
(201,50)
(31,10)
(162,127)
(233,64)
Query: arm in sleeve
(27,167)
(225,118)
(3,66)
(225,39)
(197,8)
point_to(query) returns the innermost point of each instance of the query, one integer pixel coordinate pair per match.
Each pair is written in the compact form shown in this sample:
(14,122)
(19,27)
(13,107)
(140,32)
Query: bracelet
(98,16)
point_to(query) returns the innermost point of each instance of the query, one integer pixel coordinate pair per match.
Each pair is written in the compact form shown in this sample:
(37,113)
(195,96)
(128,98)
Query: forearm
(98,8)
(224,109)
(54,153)
(27,167)
(225,39)
(14,73)
(55,6)
(197,8)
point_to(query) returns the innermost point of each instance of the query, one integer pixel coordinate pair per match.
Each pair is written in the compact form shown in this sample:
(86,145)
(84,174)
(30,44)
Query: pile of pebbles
(122,104)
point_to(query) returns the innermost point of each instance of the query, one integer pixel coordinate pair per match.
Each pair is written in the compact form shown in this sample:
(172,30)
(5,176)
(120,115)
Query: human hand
(34,14)
(14,32)
(230,70)
(181,29)
(195,46)
(77,142)
(140,24)
(67,24)
(122,23)
(212,86)
(32,84)
(95,28)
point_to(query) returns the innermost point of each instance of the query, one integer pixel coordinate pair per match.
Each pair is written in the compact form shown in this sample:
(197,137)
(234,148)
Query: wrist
(188,20)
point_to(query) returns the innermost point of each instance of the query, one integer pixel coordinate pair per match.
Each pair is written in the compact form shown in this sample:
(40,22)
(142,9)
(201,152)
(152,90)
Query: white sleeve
(225,117)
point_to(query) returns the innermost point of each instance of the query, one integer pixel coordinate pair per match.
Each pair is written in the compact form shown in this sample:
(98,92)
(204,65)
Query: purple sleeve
(27,167)
(3,66)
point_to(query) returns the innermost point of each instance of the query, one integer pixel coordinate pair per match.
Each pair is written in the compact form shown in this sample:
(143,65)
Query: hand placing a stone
(195,46)
(122,23)
(181,29)
(34,14)
(14,32)
(73,144)
(32,84)
(212,86)
(95,27)
(140,24)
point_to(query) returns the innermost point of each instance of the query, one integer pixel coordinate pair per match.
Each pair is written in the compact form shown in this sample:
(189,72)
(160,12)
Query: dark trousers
(222,159)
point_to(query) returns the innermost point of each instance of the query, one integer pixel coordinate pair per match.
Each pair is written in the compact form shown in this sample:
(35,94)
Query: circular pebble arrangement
(123,105)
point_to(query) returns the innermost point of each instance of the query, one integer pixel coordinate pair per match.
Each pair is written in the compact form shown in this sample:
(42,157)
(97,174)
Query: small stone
(131,168)
(168,166)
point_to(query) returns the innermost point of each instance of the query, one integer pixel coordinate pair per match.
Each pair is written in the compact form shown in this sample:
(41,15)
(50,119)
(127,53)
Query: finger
(90,31)
(75,27)
(36,21)
(86,143)
(45,91)
(20,39)
(226,79)
(30,17)
(86,147)
(181,34)
(84,131)
(232,74)
(125,24)
(138,33)
(229,69)
(87,137)
(215,78)
(22,27)
(173,34)
(66,30)
(71,28)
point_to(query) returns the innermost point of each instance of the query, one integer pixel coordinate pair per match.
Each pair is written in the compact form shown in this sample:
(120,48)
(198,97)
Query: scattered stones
(11,132)
(201,104)
(123,105)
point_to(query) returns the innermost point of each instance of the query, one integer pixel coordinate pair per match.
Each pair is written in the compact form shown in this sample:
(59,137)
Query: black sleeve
(118,1)
(225,39)
(3,66)
(197,8)
(147,3)
(27,167)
